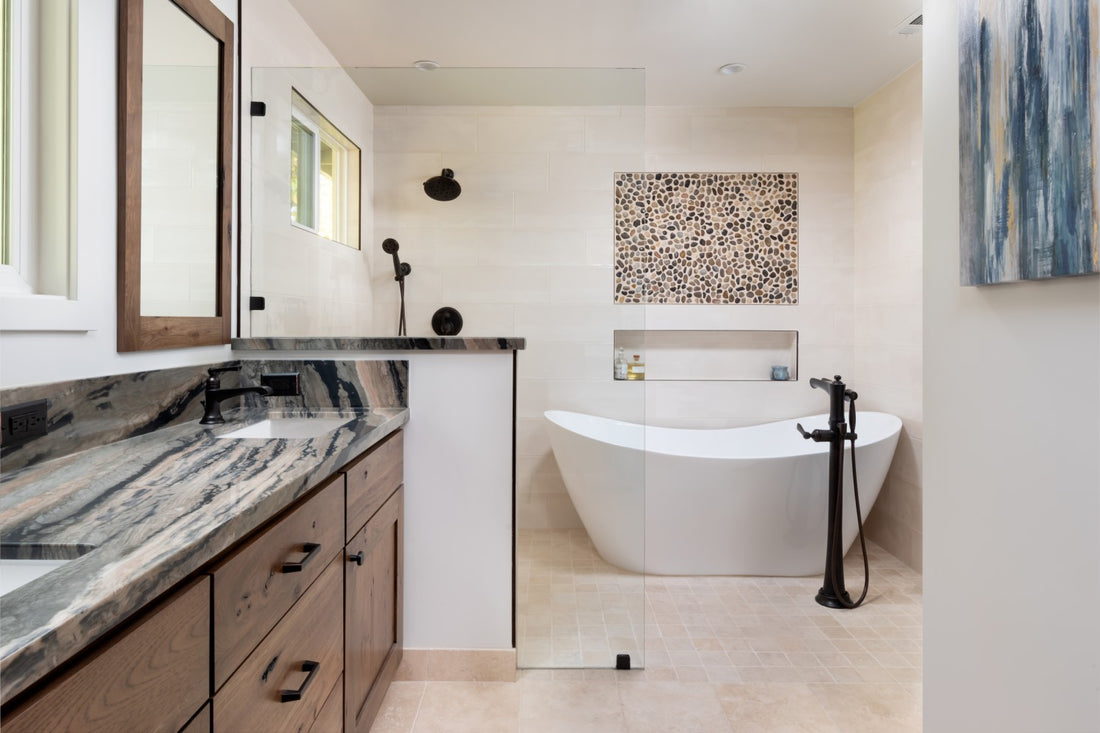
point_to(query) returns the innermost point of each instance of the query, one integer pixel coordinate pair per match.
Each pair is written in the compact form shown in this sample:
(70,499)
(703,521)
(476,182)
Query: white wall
(312,286)
(33,357)
(527,250)
(888,297)
(1011,467)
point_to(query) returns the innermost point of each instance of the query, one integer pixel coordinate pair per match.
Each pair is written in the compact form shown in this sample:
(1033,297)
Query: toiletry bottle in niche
(620,363)
(636,368)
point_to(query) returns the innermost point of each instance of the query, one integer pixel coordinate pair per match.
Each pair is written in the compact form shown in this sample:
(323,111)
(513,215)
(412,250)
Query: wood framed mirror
(175,174)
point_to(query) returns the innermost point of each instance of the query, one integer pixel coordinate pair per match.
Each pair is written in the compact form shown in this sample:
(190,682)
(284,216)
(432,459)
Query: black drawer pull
(357,558)
(294,695)
(310,548)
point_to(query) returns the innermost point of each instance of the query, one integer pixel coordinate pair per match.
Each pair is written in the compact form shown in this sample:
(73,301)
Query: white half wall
(458,495)
(1011,467)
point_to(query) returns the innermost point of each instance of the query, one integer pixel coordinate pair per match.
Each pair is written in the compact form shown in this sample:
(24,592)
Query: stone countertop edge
(179,498)
(382,343)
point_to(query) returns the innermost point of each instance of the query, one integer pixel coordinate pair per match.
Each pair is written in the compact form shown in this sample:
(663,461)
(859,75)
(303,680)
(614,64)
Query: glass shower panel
(526,249)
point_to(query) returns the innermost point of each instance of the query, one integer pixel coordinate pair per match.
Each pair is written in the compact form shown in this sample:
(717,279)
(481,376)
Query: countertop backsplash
(87,413)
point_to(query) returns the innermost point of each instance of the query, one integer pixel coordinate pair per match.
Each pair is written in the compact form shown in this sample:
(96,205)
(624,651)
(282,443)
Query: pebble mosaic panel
(706,238)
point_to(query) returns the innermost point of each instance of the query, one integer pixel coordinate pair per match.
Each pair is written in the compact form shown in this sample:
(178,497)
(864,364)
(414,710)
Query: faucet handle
(214,380)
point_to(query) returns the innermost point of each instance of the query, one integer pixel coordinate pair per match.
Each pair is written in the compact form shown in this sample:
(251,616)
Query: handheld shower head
(443,187)
(400,269)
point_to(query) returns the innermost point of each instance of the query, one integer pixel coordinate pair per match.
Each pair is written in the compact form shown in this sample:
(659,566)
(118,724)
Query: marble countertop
(382,343)
(155,508)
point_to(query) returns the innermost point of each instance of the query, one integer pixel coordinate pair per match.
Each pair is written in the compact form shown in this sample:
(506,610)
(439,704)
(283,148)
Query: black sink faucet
(215,394)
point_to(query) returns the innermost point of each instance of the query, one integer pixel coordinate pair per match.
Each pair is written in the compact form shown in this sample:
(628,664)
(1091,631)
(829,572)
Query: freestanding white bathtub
(736,501)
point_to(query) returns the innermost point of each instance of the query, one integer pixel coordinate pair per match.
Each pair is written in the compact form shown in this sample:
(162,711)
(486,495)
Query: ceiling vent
(911,25)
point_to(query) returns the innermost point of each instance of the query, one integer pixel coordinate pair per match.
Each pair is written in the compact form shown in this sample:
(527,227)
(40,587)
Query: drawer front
(302,654)
(372,479)
(331,717)
(256,585)
(201,723)
(153,677)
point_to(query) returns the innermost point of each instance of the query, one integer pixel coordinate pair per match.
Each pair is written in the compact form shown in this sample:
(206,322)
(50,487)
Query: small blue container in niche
(780,373)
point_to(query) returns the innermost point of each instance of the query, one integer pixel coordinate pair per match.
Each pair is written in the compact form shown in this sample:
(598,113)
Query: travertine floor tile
(570,707)
(477,707)
(670,707)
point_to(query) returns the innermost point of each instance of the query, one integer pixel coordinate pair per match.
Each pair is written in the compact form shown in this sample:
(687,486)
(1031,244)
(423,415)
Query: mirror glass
(179,155)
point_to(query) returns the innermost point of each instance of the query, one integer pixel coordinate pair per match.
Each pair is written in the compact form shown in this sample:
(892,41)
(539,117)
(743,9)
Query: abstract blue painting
(1029,139)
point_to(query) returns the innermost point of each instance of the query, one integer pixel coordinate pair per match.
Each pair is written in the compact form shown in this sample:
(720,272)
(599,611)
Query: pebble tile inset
(706,238)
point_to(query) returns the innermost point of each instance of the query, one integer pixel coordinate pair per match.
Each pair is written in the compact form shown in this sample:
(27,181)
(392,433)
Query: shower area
(590,224)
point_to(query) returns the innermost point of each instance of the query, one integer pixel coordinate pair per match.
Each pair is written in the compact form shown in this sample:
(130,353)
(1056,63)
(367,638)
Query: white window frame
(346,186)
(36,237)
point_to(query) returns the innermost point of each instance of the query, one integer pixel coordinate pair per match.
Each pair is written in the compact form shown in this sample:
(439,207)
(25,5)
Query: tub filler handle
(818,436)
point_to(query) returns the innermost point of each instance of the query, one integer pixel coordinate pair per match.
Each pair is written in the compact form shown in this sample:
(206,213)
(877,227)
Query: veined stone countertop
(382,343)
(156,508)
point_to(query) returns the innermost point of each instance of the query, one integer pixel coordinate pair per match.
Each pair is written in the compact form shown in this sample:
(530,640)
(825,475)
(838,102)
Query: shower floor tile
(574,609)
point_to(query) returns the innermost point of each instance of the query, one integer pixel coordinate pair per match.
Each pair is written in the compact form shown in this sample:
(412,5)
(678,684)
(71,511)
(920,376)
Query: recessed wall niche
(715,238)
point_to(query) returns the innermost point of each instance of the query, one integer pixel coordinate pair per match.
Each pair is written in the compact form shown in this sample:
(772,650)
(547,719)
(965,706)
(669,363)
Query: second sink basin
(20,564)
(288,427)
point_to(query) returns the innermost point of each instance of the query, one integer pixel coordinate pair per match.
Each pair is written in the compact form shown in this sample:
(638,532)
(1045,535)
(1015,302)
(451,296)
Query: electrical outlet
(21,423)
(286,384)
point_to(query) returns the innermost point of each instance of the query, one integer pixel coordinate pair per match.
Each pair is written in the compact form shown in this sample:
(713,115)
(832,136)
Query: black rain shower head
(443,187)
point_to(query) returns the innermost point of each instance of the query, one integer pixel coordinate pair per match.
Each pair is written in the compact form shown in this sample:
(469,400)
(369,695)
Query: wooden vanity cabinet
(298,628)
(152,676)
(373,581)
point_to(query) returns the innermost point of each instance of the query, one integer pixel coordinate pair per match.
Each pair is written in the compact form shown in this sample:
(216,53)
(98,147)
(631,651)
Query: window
(324,176)
(37,153)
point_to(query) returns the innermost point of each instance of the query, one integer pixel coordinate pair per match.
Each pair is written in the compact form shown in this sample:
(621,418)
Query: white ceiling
(799,52)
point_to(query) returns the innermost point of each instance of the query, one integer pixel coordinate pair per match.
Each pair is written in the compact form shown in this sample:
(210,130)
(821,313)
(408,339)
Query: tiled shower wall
(527,250)
(888,324)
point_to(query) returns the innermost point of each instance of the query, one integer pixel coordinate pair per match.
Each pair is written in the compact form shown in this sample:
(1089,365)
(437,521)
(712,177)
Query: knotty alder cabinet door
(372,613)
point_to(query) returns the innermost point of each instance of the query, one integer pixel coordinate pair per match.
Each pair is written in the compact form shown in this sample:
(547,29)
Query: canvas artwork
(717,238)
(1029,137)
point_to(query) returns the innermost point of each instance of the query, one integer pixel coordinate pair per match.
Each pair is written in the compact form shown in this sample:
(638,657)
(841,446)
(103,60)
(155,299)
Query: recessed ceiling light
(426,65)
(730,69)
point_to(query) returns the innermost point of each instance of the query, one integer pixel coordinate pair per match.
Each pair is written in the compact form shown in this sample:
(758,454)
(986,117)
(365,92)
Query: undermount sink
(288,427)
(16,571)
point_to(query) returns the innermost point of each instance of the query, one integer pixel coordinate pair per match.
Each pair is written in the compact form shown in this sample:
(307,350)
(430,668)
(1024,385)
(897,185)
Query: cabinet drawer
(255,586)
(372,479)
(302,654)
(331,717)
(201,723)
(152,677)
